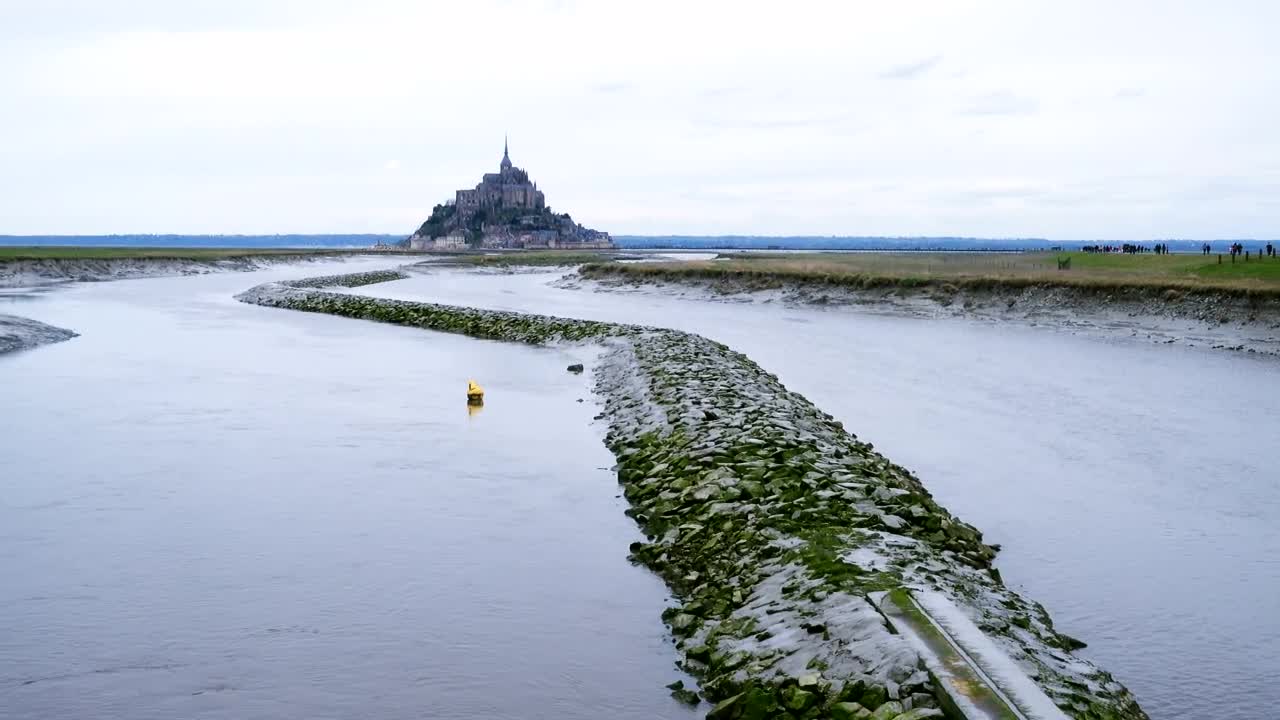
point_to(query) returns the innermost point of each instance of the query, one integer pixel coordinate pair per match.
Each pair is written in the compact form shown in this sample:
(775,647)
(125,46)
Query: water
(1134,487)
(217,510)
(209,509)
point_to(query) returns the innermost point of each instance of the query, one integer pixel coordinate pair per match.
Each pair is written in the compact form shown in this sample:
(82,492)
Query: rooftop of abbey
(505,210)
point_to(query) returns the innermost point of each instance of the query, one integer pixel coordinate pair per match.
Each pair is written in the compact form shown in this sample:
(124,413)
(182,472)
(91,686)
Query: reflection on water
(1133,487)
(218,510)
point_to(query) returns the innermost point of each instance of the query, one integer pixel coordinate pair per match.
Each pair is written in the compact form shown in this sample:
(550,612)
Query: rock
(683,623)
(683,694)
(887,711)
(874,697)
(893,522)
(919,700)
(799,700)
(575,368)
(726,709)
(758,704)
(849,711)
(1070,643)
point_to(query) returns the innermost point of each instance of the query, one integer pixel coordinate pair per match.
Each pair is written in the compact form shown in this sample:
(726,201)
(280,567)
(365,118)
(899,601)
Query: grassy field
(976,270)
(68,252)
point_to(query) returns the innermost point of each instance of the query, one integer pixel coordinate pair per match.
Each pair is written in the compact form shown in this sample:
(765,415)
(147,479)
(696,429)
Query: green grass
(950,271)
(70,252)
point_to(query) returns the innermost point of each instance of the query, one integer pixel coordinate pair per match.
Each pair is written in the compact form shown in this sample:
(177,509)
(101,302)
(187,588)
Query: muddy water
(216,510)
(1135,488)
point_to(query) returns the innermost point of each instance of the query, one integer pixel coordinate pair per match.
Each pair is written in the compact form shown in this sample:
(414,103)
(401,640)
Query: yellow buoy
(475,394)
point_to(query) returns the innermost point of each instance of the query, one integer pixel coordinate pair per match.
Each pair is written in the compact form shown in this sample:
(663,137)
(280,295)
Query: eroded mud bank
(29,273)
(19,333)
(1228,321)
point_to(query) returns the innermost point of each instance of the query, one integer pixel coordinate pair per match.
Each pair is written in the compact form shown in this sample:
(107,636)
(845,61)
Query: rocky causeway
(773,526)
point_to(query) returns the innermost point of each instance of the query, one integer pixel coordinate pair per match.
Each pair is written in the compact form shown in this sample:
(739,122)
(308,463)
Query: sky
(1023,118)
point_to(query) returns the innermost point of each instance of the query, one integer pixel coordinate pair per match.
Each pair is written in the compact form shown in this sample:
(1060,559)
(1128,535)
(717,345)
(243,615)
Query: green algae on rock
(771,525)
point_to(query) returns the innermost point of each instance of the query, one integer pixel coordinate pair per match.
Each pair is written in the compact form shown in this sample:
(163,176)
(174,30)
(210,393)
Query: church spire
(506,159)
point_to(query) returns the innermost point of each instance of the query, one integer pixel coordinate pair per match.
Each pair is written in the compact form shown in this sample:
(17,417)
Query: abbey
(506,210)
(509,187)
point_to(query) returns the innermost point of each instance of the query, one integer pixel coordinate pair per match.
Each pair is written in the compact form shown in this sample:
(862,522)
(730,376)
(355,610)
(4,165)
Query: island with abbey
(506,210)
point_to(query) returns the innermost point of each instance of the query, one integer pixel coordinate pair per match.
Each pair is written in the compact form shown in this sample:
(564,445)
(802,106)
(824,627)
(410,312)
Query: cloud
(724,91)
(1003,102)
(611,87)
(251,115)
(903,72)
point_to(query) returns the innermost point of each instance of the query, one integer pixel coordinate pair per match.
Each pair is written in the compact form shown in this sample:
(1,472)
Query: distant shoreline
(32,266)
(1229,313)
(359,241)
(12,253)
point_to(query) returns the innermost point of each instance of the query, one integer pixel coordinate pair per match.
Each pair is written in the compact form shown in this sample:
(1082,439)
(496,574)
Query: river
(1135,488)
(211,509)
(216,510)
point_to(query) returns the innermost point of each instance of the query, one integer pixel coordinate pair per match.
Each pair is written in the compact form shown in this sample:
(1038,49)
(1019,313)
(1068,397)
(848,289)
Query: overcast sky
(1116,119)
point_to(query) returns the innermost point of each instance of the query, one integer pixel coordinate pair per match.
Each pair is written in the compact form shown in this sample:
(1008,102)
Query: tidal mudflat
(778,531)
(1130,485)
(211,509)
(1112,483)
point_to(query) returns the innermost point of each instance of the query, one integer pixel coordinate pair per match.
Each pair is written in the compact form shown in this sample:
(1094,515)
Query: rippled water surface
(216,510)
(209,509)
(1135,488)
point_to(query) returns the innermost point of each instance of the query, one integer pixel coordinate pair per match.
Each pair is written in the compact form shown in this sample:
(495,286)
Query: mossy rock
(888,711)
(874,696)
(848,711)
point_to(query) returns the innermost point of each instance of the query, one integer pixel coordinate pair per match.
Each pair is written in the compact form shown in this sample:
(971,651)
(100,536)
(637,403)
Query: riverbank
(1243,315)
(18,333)
(31,266)
(771,525)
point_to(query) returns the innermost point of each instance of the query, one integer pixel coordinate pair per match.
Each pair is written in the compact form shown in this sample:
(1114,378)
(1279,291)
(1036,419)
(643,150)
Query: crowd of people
(1127,248)
(1163,249)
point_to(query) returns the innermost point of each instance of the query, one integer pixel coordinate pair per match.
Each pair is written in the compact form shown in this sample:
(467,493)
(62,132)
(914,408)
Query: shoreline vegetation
(773,527)
(1168,299)
(38,264)
(1259,277)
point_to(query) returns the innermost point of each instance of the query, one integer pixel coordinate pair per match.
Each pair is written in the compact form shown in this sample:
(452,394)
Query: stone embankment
(773,526)
(349,280)
(19,333)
